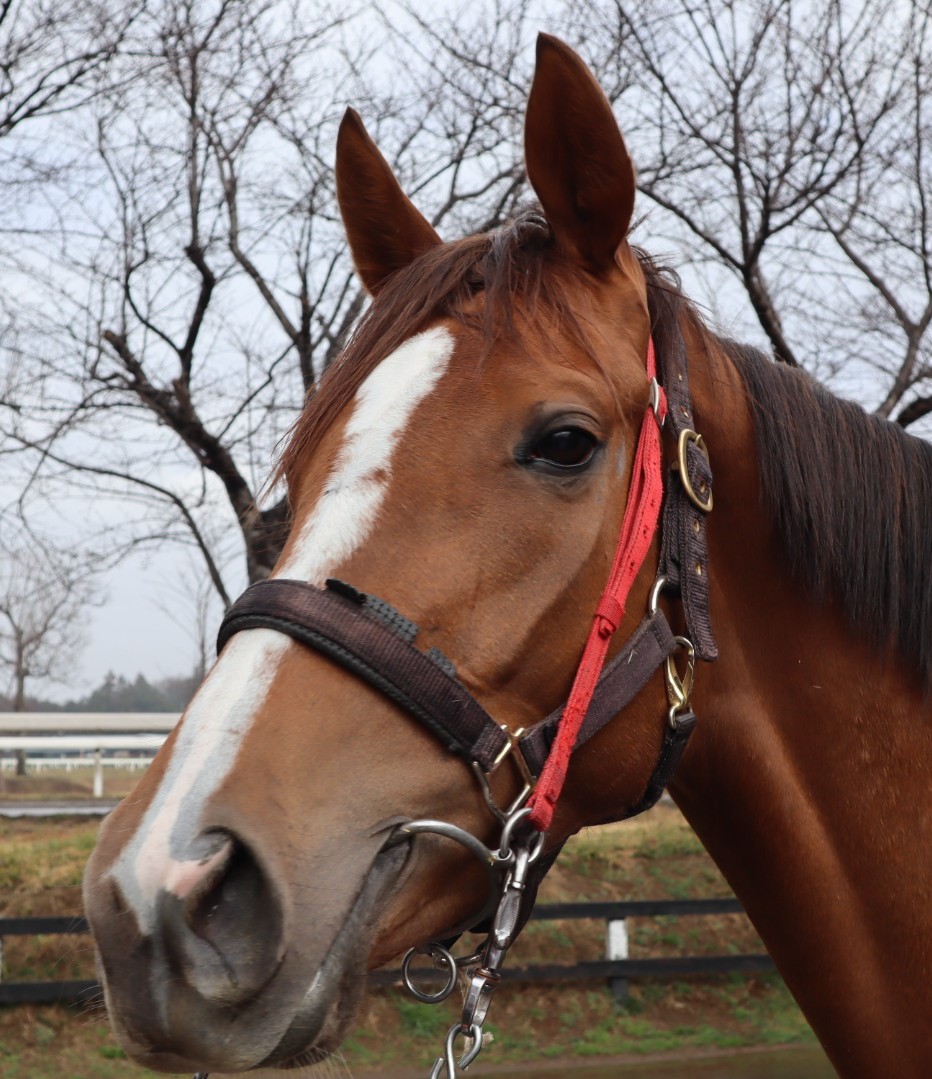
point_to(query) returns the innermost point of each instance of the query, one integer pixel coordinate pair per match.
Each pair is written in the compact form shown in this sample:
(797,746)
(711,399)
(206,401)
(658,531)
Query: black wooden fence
(615,969)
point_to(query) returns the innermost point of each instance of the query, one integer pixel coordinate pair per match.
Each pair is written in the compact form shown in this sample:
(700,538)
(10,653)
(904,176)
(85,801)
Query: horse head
(467,461)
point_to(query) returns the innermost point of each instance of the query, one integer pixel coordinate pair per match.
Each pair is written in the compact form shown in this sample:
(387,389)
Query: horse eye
(569,447)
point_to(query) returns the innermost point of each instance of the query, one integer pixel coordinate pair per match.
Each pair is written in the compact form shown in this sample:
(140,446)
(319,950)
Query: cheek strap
(638,529)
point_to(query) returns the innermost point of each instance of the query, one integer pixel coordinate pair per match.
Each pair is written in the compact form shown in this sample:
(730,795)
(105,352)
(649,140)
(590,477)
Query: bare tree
(45,594)
(156,358)
(53,53)
(56,57)
(202,291)
(769,125)
(881,220)
(190,601)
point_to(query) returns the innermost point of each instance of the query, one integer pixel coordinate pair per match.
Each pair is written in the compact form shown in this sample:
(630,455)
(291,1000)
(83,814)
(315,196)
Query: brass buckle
(510,749)
(511,746)
(687,436)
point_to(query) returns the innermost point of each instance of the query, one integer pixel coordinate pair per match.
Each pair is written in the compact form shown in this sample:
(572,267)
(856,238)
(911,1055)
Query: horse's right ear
(384,228)
(576,158)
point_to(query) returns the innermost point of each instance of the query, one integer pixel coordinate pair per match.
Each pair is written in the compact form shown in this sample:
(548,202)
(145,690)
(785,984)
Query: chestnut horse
(468,460)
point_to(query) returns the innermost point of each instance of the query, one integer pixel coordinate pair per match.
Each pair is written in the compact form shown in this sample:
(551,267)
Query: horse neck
(808,779)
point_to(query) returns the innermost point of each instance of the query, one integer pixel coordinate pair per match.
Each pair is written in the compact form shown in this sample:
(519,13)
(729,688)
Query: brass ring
(680,687)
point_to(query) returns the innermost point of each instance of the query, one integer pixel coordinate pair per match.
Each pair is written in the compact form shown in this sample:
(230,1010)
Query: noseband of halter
(368,637)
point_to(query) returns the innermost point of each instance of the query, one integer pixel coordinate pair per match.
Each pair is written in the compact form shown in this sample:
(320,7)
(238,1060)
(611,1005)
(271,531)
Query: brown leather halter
(377,643)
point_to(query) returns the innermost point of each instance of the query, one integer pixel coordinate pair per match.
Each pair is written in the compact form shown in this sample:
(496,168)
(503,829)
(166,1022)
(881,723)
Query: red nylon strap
(638,528)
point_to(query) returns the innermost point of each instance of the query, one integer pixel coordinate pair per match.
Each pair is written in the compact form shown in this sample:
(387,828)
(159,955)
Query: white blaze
(165,851)
(349,504)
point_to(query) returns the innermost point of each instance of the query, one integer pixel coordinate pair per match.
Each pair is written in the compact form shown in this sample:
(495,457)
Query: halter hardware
(519,850)
(657,400)
(442,957)
(689,437)
(512,750)
(679,687)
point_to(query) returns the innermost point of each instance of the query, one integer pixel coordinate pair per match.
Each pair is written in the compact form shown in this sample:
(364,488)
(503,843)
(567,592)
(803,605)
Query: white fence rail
(80,739)
(81,743)
(86,722)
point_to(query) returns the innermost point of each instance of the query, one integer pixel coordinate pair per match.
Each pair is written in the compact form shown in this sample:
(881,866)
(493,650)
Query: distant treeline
(119,694)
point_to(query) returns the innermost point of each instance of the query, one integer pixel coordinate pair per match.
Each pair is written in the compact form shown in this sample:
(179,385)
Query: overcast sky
(149,597)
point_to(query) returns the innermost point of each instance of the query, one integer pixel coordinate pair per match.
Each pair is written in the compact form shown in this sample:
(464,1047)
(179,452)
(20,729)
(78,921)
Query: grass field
(68,784)
(654,857)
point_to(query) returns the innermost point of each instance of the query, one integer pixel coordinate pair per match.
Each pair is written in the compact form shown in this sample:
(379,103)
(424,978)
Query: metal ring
(658,587)
(475,846)
(474,1032)
(436,952)
(536,846)
(449,831)
(483,777)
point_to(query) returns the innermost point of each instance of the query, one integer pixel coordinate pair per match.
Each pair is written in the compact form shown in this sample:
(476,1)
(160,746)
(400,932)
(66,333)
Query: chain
(510,864)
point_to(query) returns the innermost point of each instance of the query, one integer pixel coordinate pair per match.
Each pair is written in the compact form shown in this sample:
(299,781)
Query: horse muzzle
(230,977)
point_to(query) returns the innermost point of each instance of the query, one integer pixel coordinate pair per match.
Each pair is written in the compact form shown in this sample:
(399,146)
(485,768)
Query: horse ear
(576,158)
(384,228)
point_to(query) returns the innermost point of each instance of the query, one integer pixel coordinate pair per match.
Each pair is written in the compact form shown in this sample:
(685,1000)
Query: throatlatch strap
(684,555)
(642,514)
(675,740)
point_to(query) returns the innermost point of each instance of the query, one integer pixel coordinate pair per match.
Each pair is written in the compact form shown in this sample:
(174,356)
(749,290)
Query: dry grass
(74,783)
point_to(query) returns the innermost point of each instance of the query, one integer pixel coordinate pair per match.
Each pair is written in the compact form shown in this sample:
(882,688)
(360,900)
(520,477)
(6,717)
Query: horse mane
(851,496)
(850,493)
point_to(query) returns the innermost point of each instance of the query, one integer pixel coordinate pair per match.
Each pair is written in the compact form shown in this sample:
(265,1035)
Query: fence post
(98,775)
(616,947)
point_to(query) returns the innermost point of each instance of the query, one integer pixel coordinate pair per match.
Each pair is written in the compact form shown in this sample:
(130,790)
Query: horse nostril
(190,878)
(223,934)
(233,899)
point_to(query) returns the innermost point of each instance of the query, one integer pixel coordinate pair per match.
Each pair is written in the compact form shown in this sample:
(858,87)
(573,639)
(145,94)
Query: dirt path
(793,1062)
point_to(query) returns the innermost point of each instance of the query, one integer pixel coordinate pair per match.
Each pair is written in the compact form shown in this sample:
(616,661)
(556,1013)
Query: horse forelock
(513,266)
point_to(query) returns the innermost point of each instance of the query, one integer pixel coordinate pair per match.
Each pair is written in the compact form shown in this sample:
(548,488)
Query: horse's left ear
(385,229)
(576,158)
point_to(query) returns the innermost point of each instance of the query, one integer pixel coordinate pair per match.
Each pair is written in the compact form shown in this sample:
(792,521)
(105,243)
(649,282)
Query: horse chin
(320,1018)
